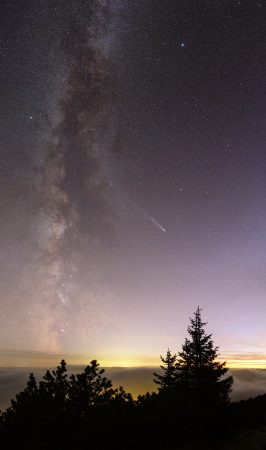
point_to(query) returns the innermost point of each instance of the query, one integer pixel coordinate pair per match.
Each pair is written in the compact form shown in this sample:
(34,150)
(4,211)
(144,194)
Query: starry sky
(133,178)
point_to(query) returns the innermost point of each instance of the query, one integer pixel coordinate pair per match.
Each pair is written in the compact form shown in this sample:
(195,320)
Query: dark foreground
(84,411)
(139,426)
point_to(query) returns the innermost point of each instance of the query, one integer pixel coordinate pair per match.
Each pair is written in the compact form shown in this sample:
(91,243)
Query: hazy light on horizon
(47,360)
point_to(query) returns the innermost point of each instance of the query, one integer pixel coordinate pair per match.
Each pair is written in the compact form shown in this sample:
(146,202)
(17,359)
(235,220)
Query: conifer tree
(167,381)
(197,367)
(90,388)
(54,386)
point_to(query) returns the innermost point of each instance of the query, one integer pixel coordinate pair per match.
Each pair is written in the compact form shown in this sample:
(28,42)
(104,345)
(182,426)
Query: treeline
(80,411)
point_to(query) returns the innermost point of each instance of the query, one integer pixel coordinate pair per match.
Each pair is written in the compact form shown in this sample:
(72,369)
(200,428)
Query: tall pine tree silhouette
(198,369)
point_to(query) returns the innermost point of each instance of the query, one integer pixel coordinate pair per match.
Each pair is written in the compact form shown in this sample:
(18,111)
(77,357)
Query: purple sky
(133,175)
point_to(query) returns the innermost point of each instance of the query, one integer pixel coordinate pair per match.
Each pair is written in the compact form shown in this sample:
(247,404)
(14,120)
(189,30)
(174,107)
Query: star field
(132,171)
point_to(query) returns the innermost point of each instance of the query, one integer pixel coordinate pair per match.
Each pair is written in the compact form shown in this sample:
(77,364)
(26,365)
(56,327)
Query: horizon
(248,382)
(31,359)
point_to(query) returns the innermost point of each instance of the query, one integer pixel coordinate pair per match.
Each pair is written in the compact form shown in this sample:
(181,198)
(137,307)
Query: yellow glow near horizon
(45,360)
(246,364)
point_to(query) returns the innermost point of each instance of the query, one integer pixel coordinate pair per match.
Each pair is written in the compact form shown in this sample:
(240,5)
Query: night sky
(133,178)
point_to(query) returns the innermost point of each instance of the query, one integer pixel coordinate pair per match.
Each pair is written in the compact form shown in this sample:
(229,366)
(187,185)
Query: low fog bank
(247,382)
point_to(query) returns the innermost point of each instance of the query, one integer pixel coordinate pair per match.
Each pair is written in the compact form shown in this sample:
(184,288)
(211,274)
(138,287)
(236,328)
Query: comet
(127,199)
(157,224)
(152,219)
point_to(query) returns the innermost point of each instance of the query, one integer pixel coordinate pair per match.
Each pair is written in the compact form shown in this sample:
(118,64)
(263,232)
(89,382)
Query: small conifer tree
(167,381)
(54,386)
(90,388)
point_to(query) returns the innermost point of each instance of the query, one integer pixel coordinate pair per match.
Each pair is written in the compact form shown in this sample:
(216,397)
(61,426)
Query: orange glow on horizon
(50,359)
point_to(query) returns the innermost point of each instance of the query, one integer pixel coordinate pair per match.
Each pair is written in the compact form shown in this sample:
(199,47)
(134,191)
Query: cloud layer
(247,382)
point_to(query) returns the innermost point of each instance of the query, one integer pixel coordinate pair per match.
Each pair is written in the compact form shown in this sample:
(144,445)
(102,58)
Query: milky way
(73,216)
